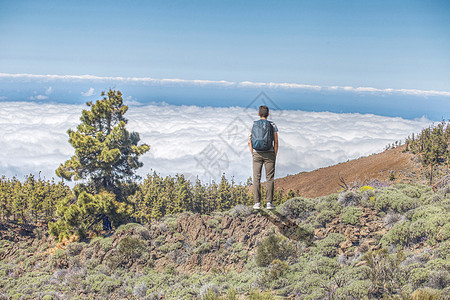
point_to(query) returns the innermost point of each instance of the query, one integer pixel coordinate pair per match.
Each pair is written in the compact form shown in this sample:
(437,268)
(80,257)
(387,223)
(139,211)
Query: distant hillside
(325,181)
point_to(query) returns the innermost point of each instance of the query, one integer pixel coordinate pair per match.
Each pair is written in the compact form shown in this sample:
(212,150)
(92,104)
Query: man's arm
(275,142)
(250,143)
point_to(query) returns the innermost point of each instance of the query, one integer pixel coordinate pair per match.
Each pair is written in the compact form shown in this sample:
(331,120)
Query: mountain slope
(366,243)
(378,167)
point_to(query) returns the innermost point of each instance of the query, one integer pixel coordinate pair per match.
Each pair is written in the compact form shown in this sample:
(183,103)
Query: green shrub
(401,197)
(327,208)
(271,248)
(350,215)
(127,227)
(297,207)
(411,191)
(170,247)
(304,232)
(160,240)
(438,264)
(38,233)
(356,289)
(427,294)
(446,232)
(58,259)
(106,243)
(418,276)
(17,296)
(324,217)
(329,245)
(73,249)
(59,254)
(385,272)
(240,211)
(95,239)
(349,198)
(322,265)
(316,293)
(232,294)
(329,203)
(438,279)
(398,235)
(144,233)
(130,247)
(140,290)
(203,248)
(258,295)
(276,269)
(213,223)
(395,200)
(171,269)
(427,222)
(103,284)
(89,252)
(5,243)
(171,222)
(443,251)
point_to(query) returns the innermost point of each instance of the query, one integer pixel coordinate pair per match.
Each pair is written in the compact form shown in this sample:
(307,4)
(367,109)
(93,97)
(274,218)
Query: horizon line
(225,83)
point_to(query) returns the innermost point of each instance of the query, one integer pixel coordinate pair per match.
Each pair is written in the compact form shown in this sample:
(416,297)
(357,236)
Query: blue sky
(349,76)
(376,44)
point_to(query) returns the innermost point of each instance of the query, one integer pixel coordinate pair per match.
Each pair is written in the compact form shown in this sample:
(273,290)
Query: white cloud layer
(38,97)
(88,93)
(224,83)
(202,141)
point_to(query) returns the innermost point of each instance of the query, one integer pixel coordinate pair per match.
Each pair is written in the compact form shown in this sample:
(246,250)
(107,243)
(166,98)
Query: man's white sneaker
(257,206)
(270,205)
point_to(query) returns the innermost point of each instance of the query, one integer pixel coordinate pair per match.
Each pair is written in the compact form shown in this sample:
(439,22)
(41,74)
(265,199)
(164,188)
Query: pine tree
(106,155)
(183,194)
(434,147)
(6,191)
(105,152)
(159,207)
(224,200)
(211,197)
(199,198)
(19,203)
(34,194)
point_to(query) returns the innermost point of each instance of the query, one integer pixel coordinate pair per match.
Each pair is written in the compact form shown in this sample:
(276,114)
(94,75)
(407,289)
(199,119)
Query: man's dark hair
(263,111)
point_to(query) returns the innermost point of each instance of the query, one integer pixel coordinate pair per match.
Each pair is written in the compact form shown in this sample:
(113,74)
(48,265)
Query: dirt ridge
(377,167)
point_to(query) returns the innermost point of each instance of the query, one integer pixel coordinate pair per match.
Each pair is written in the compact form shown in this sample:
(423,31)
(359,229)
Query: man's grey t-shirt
(275,129)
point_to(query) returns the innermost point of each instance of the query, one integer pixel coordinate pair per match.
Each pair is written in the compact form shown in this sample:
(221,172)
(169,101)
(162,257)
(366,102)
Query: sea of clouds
(198,141)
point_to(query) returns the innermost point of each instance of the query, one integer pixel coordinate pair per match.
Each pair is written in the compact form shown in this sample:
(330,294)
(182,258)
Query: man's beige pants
(268,160)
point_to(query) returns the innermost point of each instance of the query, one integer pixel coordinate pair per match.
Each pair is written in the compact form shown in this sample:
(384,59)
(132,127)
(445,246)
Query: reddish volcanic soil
(379,166)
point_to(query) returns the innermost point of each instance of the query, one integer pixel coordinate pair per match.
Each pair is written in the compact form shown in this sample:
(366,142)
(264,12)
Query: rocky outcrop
(359,238)
(209,243)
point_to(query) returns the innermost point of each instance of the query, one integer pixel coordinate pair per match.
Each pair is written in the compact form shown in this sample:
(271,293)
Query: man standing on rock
(263,145)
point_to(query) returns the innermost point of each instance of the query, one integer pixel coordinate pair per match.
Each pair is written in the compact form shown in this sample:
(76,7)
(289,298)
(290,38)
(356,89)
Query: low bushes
(130,247)
(273,247)
(329,245)
(350,215)
(297,208)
